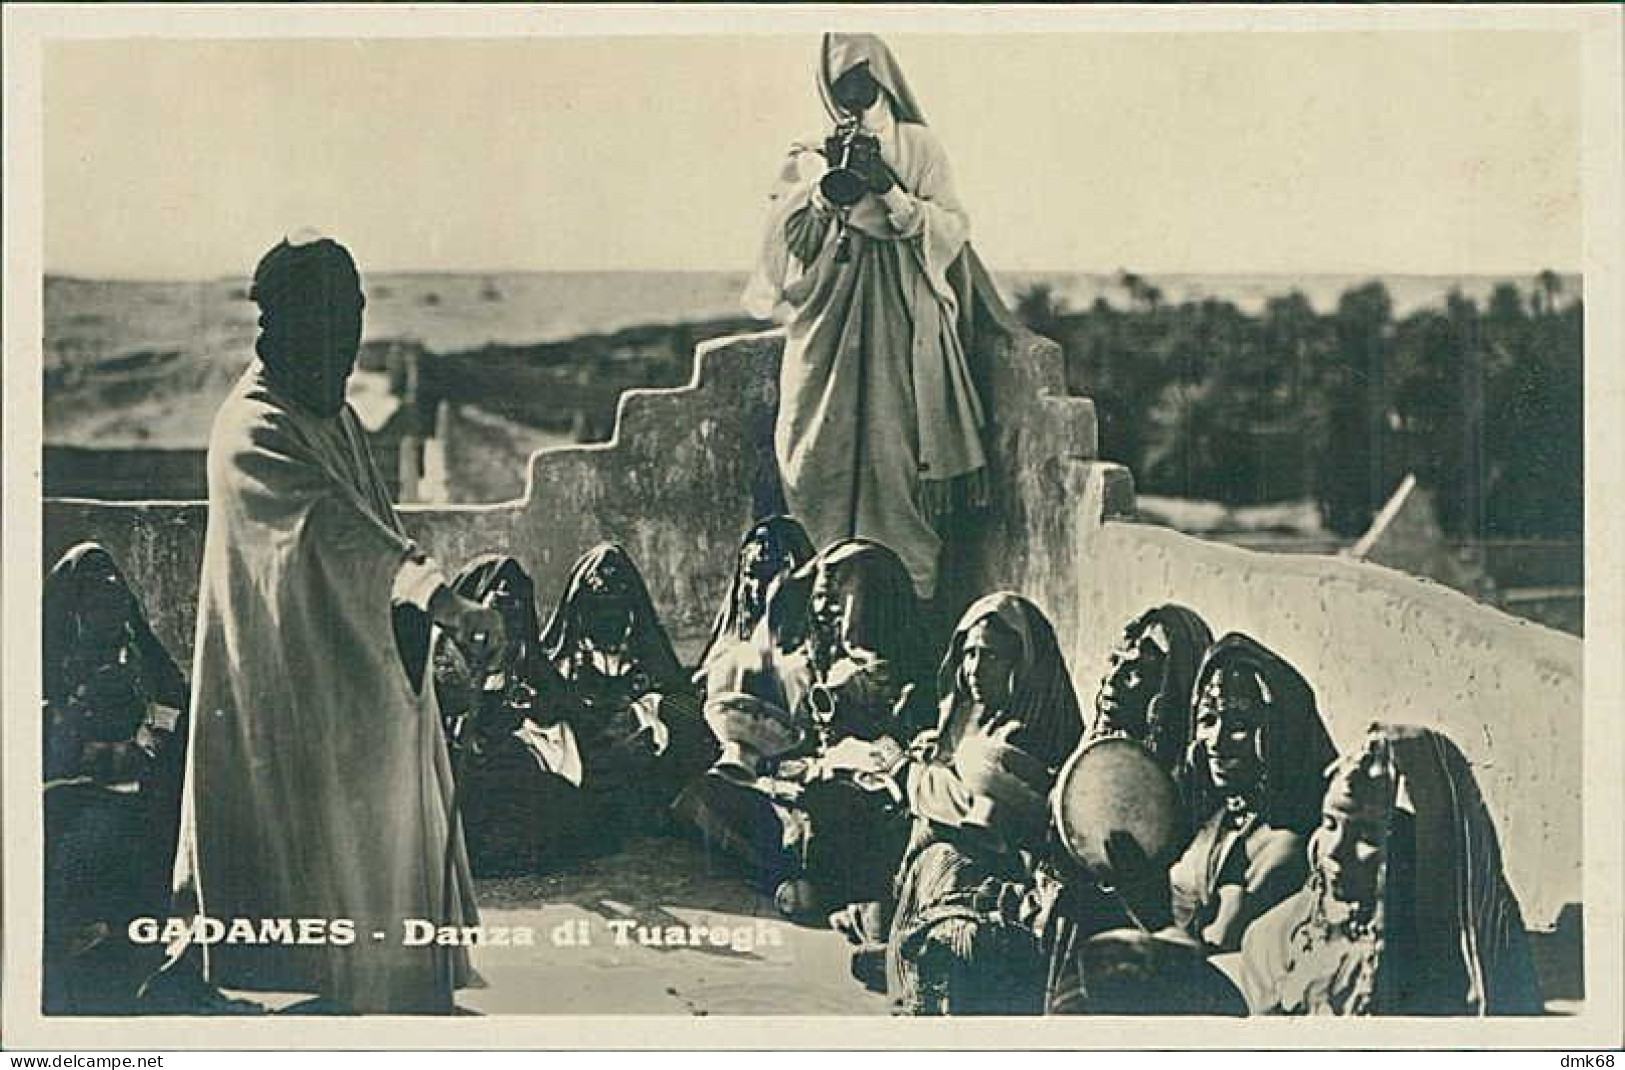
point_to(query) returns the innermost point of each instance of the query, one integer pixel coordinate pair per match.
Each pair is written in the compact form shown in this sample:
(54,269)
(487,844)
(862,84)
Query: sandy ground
(767,965)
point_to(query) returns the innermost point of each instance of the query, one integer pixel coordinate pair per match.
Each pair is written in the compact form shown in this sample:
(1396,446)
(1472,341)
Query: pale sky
(1421,152)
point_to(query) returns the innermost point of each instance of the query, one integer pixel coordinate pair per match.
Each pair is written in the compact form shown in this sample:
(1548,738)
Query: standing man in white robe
(319,785)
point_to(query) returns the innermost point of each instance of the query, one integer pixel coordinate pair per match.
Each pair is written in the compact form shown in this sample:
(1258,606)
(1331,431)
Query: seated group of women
(820,754)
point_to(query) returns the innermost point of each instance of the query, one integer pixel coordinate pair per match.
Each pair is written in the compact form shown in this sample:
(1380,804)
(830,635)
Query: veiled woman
(1254,779)
(641,736)
(511,725)
(955,946)
(1003,672)
(1407,910)
(1003,667)
(772,547)
(879,425)
(855,681)
(114,744)
(1146,696)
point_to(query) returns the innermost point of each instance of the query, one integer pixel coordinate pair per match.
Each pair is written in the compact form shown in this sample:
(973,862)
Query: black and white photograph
(750,528)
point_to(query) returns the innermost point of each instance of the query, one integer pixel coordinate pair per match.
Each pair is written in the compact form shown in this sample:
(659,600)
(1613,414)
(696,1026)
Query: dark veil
(1472,948)
(791,538)
(62,594)
(608,564)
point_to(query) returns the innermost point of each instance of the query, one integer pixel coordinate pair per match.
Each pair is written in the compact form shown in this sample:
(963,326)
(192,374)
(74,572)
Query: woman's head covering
(66,587)
(309,293)
(879,611)
(843,51)
(1043,704)
(1168,721)
(476,581)
(1445,935)
(1294,745)
(606,573)
(787,540)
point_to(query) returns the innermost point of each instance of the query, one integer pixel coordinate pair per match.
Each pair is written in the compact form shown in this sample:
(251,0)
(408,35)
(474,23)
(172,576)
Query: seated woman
(955,945)
(1253,780)
(853,682)
(1003,670)
(1407,911)
(1003,667)
(772,547)
(743,814)
(640,734)
(1146,696)
(114,756)
(511,725)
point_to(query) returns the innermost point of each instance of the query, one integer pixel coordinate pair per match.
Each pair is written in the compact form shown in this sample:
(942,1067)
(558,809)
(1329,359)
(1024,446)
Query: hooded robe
(878,419)
(1043,706)
(318,783)
(641,734)
(114,739)
(1448,937)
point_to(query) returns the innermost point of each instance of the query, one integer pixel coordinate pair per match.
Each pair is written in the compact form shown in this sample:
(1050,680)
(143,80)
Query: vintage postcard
(837,526)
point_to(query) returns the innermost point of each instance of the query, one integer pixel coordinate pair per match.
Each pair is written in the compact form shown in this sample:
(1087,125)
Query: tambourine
(1114,785)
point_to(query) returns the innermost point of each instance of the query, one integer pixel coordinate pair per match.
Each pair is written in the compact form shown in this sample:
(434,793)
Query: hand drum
(1114,785)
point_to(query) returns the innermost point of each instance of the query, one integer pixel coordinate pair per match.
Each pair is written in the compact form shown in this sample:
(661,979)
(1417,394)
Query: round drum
(1114,785)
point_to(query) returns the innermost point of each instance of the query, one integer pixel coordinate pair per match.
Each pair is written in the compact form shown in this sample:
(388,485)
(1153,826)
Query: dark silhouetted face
(104,604)
(1134,676)
(761,562)
(827,604)
(608,606)
(1230,717)
(506,600)
(856,91)
(988,664)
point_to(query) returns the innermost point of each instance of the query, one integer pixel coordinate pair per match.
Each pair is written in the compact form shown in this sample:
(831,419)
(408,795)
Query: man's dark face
(344,328)
(856,91)
(1134,676)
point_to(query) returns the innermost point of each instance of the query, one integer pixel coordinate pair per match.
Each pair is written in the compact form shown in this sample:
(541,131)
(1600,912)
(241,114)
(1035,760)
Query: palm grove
(1204,400)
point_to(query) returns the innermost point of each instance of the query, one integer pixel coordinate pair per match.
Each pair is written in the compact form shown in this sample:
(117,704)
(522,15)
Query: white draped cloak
(318,783)
(875,396)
